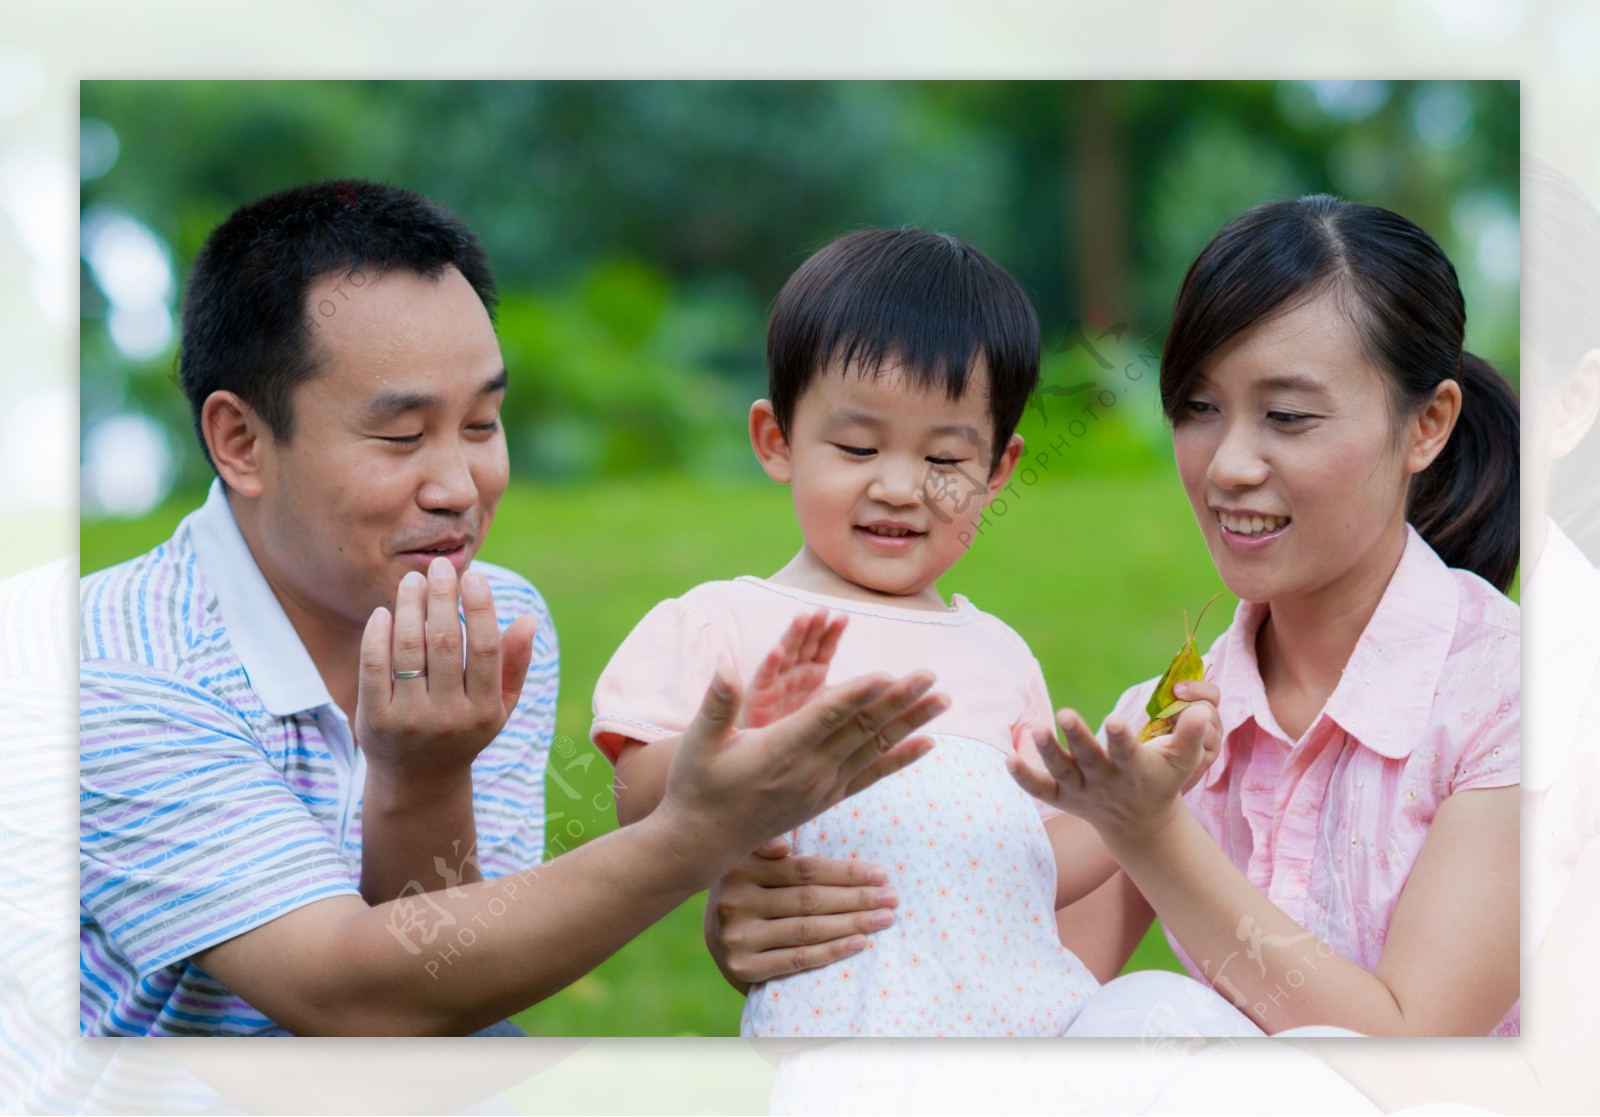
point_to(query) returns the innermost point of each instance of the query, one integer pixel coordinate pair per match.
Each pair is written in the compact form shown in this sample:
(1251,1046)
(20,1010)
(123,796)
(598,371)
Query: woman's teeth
(1252,525)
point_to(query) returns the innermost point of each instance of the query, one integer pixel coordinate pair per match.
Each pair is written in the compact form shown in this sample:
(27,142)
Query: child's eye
(946,463)
(856,451)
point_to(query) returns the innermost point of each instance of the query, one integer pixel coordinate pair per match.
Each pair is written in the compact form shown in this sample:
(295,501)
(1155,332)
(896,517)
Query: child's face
(889,479)
(1287,453)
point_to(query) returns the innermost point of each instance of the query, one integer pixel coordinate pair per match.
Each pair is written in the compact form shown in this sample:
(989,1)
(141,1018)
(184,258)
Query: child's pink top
(1329,826)
(974,948)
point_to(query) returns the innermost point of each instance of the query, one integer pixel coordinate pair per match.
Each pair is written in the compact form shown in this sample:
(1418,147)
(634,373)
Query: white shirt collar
(1561,655)
(277,664)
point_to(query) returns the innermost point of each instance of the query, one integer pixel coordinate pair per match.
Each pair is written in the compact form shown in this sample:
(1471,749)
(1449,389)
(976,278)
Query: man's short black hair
(247,328)
(929,301)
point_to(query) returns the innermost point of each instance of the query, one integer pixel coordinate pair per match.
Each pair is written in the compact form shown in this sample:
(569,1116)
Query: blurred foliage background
(639,231)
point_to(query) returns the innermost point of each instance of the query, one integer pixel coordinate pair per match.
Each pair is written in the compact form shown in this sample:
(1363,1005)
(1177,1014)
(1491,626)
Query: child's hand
(1123,788)
(793,672)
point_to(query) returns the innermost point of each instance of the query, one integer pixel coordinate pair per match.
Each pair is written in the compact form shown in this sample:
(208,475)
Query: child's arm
(1105,927)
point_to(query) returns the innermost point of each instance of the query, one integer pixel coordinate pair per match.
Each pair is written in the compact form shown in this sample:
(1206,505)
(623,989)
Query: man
(298,762)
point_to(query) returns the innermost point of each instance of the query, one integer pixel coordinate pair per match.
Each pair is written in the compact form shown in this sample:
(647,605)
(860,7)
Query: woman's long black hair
(1401,296)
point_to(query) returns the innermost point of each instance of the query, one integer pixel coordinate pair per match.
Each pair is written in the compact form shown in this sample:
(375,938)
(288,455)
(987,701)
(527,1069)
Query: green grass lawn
(1094,572)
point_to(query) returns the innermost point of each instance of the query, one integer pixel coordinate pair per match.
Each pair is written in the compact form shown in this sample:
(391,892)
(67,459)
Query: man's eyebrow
(387,405)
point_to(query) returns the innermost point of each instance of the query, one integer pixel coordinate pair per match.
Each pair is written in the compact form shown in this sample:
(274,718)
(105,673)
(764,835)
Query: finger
(830,640)
(773,849)
(1198,691)
(1058,764)
(771,668)
(410,642)
(902,755)
(1088,754)
(776,963)
(444,629)
(776,877)
(808,930)
(885,736)
(375,687)
(1121,742)
(483,677)
(1030,779)
(816,626)
(714,719)
(855,716)
(516,656)
(1184,746)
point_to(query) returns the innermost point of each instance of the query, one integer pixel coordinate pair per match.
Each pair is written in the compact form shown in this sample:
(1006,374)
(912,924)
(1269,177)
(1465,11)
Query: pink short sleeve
(1494,757)
(655,681)
(1038,717)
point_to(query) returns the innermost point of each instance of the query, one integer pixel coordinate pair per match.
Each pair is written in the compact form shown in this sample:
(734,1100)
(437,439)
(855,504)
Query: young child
(900,362)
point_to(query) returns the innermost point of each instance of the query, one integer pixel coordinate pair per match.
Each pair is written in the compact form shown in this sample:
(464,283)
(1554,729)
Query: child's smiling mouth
(888,535)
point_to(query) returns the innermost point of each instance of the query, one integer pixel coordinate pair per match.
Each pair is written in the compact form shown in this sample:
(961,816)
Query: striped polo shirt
(219,786)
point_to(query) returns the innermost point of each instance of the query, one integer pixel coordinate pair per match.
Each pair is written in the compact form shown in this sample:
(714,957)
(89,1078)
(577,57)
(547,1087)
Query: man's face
(396,455)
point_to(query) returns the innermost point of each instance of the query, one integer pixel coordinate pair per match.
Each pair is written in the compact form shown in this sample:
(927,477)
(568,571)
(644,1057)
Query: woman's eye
(1288,418)
(856,451)
(1197,407)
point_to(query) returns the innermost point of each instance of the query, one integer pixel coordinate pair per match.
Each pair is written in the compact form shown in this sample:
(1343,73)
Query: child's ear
(772,449)
(1006,467)
(238,441)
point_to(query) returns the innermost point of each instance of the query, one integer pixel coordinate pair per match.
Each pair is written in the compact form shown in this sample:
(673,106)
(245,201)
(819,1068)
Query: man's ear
(1006,466)
(238,440)
(1576,406)
(772,449)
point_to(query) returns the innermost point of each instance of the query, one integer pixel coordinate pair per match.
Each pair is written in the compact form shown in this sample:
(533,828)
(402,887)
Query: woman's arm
(1442,972)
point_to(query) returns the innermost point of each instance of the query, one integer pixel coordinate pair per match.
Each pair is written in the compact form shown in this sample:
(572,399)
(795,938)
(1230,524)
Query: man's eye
(401,439)
(856,451)
(488,428)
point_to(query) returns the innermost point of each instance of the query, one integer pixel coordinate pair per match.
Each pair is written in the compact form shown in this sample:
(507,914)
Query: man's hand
(773,914)
(794,671)
(422,718)
(729,789)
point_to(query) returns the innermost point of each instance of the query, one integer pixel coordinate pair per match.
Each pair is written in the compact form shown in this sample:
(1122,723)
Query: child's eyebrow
(848,418)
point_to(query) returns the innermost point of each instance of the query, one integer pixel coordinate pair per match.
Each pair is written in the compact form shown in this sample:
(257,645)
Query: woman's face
(1286,449)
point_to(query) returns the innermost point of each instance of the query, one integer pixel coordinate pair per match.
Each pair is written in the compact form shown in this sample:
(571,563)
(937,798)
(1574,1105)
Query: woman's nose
(1238,462)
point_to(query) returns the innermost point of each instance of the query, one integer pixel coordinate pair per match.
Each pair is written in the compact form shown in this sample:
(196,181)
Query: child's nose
(898,483)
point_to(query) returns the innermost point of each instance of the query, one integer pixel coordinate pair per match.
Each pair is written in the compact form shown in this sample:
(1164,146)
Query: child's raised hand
(1123,788)
(795,671)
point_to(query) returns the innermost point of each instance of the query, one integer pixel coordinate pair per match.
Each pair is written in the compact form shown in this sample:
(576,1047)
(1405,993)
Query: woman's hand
(1123,788)
(774,914)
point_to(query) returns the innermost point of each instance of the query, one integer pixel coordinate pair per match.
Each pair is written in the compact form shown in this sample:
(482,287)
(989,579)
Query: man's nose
(1238,462)
(449,485)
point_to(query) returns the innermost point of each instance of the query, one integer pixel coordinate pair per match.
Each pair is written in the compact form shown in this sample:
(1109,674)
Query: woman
(1354,473)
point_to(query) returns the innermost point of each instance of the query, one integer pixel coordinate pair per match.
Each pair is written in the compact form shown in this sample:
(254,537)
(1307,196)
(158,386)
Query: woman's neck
(1305,641)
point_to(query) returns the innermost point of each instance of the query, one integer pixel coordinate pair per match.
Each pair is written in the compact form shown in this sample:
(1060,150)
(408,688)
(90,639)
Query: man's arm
(340,967)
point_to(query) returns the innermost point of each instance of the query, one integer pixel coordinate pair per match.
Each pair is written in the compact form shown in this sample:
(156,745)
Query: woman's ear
(1004,468)
(237,440)
(1576,406)
(1432,425)
(767,440)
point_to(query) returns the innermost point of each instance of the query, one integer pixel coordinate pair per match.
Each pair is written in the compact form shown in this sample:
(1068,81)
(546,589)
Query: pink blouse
(1329,826)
